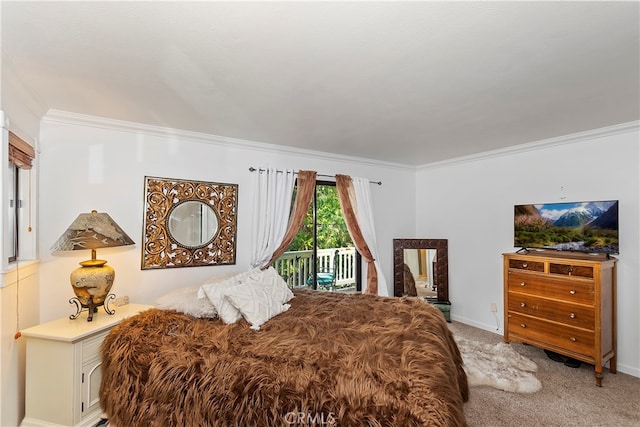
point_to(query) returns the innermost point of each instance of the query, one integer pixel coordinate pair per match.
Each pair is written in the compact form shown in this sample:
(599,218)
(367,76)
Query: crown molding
(58,116)
(539,145)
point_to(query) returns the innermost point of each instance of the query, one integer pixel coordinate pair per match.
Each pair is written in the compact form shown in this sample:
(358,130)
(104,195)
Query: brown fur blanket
(331,359)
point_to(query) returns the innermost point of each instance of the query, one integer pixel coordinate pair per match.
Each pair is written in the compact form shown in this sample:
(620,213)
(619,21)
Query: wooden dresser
(563,302)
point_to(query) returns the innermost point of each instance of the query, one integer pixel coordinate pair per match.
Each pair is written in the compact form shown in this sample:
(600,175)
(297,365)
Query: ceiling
(403,82)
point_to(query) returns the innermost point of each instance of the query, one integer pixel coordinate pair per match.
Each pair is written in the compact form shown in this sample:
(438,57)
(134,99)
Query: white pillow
(273,283)
(219,278)
(215,293)
(213,289)
(185,300)
(255,302)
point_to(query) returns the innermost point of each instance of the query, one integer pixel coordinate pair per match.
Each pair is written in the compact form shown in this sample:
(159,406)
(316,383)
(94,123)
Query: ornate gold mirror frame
(188,223)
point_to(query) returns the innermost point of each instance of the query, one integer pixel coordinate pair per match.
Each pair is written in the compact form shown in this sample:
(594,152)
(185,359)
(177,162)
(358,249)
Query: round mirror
(192,223)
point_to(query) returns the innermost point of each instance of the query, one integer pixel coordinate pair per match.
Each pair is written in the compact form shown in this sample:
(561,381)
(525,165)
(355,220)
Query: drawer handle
(573,339)
(522,284)
(522,325)
(572,292)
(525,265)
(572,315)
(522,304)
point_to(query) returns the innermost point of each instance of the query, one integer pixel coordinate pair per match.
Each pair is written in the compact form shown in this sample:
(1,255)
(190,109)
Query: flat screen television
(590,227)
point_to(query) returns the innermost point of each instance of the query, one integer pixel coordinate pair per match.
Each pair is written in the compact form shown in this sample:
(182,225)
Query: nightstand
(63,368)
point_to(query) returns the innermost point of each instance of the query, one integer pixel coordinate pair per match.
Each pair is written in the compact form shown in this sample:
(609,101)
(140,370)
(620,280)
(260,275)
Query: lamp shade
(92,231)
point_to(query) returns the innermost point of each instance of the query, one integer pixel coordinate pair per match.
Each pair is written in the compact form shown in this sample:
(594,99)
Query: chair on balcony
(326,278)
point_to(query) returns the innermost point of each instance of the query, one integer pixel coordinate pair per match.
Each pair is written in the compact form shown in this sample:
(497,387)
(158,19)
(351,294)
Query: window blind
(21,154)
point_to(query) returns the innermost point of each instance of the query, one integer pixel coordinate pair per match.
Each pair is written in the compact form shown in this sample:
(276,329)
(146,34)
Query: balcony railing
(296,267)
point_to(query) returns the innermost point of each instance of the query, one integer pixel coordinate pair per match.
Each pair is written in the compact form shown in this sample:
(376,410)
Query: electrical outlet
(124,300)
(493,307)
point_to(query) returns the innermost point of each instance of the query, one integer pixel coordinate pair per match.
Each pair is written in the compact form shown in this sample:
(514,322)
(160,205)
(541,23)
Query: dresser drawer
(571,270)
(569,314)
(580,291)
(572,339)
(520,264)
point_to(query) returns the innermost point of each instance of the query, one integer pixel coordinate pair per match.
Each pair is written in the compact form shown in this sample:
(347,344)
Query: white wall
(19,308)
(18,294)
(89,163)
(471,203)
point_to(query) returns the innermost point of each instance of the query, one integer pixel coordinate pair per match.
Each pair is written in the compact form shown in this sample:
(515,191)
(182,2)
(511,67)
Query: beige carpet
(569,396)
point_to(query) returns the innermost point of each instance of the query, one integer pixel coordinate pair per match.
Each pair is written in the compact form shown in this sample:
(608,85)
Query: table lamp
(92,282)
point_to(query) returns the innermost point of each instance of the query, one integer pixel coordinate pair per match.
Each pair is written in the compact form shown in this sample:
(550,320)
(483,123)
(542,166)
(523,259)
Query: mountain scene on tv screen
(584,227)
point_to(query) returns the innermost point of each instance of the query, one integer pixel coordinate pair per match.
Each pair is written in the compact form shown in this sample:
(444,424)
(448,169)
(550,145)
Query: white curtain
(274,190)
(364,212)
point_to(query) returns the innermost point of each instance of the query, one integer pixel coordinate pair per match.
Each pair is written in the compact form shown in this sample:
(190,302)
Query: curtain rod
(252,169)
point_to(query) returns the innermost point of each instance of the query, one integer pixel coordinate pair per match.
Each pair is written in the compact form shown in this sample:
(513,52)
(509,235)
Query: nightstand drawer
(91,346)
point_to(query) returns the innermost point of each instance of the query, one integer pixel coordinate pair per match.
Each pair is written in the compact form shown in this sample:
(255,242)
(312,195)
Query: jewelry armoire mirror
(433,262)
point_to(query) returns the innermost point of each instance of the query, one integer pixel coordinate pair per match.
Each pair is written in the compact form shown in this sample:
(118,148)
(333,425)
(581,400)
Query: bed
(330,359)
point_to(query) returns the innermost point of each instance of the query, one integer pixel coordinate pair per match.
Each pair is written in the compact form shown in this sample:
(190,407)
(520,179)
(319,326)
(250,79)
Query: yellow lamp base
(91,283)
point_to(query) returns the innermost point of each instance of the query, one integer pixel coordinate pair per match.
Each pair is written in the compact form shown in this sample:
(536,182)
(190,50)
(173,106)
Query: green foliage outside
(332,230)
(331,233)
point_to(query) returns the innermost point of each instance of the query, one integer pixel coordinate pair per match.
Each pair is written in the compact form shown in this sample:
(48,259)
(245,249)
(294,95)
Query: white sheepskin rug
(498,366)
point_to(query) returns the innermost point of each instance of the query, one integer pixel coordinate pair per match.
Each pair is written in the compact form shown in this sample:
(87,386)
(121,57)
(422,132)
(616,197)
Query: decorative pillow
(273,283)
(185,300)
(215,293)
(255,302)
(219,279)
(214,289)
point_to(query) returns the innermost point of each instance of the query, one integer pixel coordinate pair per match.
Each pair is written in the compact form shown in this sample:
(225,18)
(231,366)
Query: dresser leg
(612,365)
(599,376)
